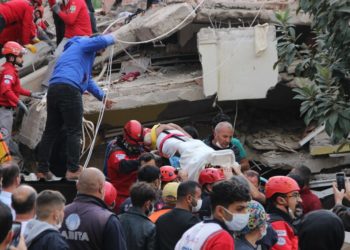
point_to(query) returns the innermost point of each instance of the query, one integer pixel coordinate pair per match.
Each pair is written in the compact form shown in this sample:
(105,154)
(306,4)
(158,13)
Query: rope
(109,67)
(102,109)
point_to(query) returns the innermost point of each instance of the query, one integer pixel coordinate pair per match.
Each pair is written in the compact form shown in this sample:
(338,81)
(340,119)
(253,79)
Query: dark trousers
(59,26)
(2,23)
(64,109)
(92,16)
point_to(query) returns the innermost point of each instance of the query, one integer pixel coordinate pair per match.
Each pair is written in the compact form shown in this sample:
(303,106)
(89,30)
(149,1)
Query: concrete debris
(231,68)
(311,135)
(273,139)
(176,85)
(153,23)
(322,145)
(239,11)
(139,64)
(290,160)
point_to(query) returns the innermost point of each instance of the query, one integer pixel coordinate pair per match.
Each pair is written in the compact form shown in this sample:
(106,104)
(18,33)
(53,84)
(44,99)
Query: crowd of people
(160,188)
(144,199)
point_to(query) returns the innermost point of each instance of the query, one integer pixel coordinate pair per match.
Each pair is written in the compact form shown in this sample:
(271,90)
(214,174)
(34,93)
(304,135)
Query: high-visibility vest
(4,151)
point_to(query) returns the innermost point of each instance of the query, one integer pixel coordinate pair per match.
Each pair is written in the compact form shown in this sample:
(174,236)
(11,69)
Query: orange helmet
(168,173)
(13,48)
(133,132)
(110,194)
(210,175)
(280,184)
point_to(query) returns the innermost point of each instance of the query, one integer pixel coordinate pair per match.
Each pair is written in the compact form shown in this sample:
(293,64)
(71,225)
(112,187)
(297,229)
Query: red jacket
(310,201)
(19,11)
(76,18)
(10,87)
(281,223)
(121,181)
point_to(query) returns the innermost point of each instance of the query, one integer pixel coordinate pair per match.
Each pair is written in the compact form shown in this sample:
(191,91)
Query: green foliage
(326,63)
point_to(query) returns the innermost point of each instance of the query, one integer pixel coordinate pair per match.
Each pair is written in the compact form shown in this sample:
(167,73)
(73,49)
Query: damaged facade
(216,51)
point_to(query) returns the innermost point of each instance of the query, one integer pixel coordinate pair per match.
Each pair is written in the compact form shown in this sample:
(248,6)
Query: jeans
(64,109)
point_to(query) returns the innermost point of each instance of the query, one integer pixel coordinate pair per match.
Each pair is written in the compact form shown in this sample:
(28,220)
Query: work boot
(47,176)
(74,175)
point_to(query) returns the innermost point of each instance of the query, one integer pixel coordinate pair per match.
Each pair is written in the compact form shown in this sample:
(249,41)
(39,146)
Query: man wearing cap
(169,196)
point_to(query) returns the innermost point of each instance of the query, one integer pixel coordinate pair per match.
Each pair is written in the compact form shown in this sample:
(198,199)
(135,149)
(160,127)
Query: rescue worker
(168,175)
(42,27)
(282,194)
(10,86)
(110,195)
(122,162)
(235,144)
(16,12)
(229,204)
(75,16)
(71,78)
(207,178)
(170,139)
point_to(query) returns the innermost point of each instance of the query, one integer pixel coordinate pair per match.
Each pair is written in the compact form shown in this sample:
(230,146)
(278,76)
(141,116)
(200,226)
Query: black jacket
(88,224)
(139,230)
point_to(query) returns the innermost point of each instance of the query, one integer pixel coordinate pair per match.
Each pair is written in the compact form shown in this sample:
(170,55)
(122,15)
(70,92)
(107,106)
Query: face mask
(59,224)
(238,221)
(196,208)
(263,231)
(218,145)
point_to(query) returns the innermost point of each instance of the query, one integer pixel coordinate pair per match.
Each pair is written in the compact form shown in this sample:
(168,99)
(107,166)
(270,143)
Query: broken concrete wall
(239,11)
(232,68)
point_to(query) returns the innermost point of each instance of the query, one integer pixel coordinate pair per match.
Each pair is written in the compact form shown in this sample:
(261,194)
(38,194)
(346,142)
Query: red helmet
(280,184)
(133,132)
(210,175)
(13,48)
(168,173)
(110,194)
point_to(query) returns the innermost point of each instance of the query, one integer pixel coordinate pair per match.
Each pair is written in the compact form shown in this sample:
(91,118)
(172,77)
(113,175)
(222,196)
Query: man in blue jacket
(70,79)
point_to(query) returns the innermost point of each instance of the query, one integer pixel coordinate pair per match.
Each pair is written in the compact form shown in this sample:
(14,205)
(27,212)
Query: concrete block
(164,19)
(231,68)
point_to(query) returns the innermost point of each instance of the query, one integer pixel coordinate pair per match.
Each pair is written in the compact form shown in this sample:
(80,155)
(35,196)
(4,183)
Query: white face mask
(218,145)
(238,221)
(263,231)
(198,206)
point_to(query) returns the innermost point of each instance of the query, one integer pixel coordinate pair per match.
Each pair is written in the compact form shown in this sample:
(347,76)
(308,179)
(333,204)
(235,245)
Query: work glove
(37,95)
(36,40)
(23,106)
(56,8)
(31,48)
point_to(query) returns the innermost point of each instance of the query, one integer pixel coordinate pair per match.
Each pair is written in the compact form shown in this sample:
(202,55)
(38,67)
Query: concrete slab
(175,85)
(321,144)
(239,11)
(231,66)
(290,160)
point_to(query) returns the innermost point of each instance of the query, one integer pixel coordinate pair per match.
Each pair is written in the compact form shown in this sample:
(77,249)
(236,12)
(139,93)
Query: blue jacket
(74,66)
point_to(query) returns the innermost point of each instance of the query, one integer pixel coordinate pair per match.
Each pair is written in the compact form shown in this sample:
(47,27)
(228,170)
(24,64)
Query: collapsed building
(177,61)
